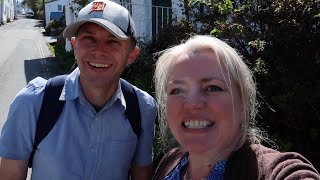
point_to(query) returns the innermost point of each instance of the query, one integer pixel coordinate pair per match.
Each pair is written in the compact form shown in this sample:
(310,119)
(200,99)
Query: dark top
(252,162)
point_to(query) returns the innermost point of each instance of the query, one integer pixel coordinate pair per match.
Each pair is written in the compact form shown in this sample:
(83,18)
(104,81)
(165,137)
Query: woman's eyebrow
(213,78)
(176,81)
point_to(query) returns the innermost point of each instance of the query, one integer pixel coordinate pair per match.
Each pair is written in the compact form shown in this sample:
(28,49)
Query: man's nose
(101,48)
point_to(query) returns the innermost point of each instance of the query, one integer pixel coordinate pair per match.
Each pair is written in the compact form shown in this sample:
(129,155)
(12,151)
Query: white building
(148,15)
(7,11)
(54,9)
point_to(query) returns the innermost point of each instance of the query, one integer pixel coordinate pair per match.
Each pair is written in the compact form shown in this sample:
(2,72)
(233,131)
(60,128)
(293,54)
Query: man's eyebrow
(84,31)
(90,32)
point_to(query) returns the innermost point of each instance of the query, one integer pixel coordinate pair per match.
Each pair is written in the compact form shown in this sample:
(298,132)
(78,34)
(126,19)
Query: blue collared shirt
(83,144)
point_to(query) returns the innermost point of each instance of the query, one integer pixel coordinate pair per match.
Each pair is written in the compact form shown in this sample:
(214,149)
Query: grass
(52,48)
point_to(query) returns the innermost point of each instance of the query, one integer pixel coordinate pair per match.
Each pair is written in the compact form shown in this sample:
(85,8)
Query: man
(92,138)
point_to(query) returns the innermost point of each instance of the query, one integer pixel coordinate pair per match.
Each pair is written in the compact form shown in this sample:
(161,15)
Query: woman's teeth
(197,124)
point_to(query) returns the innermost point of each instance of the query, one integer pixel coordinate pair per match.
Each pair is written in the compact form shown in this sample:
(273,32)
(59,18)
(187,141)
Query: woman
(207,98)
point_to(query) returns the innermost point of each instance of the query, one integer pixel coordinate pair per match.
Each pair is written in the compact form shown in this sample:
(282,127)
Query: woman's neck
(197,170)
(200,165)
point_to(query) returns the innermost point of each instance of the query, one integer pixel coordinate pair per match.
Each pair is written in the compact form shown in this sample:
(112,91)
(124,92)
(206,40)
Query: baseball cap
(110,15)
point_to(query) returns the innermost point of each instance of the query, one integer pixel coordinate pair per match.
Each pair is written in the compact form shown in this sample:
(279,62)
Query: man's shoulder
(34,88)
(145,98)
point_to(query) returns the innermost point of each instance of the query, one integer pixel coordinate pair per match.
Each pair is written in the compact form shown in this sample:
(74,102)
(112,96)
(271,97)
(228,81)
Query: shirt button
(92,149)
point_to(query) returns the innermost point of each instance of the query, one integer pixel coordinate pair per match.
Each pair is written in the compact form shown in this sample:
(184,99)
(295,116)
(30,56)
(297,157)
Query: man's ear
(73,42)
(133,55)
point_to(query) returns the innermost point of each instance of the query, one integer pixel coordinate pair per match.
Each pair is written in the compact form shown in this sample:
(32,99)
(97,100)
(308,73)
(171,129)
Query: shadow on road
(45,68)
(39,23)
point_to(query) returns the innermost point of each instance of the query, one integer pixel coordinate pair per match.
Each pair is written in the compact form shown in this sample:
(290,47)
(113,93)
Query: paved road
(24,56)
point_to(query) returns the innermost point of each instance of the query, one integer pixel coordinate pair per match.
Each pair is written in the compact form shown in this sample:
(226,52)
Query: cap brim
(72,29)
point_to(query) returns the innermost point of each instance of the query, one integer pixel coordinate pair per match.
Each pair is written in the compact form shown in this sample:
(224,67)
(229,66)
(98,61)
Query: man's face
(101,56)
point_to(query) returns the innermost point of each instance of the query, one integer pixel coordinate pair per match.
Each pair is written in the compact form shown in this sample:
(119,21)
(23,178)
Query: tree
(37,6)
(279,40)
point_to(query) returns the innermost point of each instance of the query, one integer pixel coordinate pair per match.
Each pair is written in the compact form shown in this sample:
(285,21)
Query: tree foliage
(37,7)
(279,39)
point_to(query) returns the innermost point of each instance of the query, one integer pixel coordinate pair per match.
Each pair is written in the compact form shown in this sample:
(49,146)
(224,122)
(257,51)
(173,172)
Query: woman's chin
(195,148)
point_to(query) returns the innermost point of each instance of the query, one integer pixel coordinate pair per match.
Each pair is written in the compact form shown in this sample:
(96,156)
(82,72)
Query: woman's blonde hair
(228,59)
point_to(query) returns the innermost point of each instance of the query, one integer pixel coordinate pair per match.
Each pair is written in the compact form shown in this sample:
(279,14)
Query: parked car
(30,14)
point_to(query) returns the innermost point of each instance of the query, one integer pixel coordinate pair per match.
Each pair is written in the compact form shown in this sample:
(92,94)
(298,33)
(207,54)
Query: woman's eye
(175,91)
(213,88)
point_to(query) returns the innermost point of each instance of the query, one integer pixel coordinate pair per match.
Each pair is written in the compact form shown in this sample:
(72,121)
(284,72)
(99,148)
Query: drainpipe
(44,13)
(1,14)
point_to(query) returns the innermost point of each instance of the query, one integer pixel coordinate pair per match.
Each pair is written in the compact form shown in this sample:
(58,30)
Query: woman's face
(203,113)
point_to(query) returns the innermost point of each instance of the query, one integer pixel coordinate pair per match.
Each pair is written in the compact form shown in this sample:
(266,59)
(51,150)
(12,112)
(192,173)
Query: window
(59,7)
(127,4)
(161,14)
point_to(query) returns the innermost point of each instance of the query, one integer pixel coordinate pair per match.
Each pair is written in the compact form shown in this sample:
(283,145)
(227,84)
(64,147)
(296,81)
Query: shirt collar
(71,89)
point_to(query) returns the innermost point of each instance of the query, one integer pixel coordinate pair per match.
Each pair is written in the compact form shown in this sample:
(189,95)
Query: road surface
(24,56)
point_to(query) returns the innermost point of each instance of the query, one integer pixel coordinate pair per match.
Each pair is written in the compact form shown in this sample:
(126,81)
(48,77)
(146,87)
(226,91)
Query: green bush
(141,71)
(64,59)
(55,27)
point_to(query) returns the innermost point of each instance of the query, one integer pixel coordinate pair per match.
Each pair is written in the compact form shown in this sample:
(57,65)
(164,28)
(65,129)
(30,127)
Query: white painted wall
(11,9)
(53,7)
(6,11)
(142,17)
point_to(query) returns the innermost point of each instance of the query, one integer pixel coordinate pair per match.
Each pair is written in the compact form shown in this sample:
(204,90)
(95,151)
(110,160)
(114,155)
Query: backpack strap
(132,110)
(50,111)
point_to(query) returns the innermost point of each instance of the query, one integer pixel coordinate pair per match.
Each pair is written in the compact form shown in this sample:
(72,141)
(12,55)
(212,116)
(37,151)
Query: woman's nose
(195,100)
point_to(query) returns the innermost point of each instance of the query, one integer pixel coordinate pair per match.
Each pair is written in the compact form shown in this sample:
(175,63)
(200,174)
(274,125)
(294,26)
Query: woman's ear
(133,55)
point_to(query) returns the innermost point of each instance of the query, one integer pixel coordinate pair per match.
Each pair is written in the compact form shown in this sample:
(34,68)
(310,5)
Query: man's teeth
(197,124)
(99,65)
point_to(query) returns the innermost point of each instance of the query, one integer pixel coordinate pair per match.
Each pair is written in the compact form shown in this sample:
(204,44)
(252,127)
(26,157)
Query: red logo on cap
(97,6)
